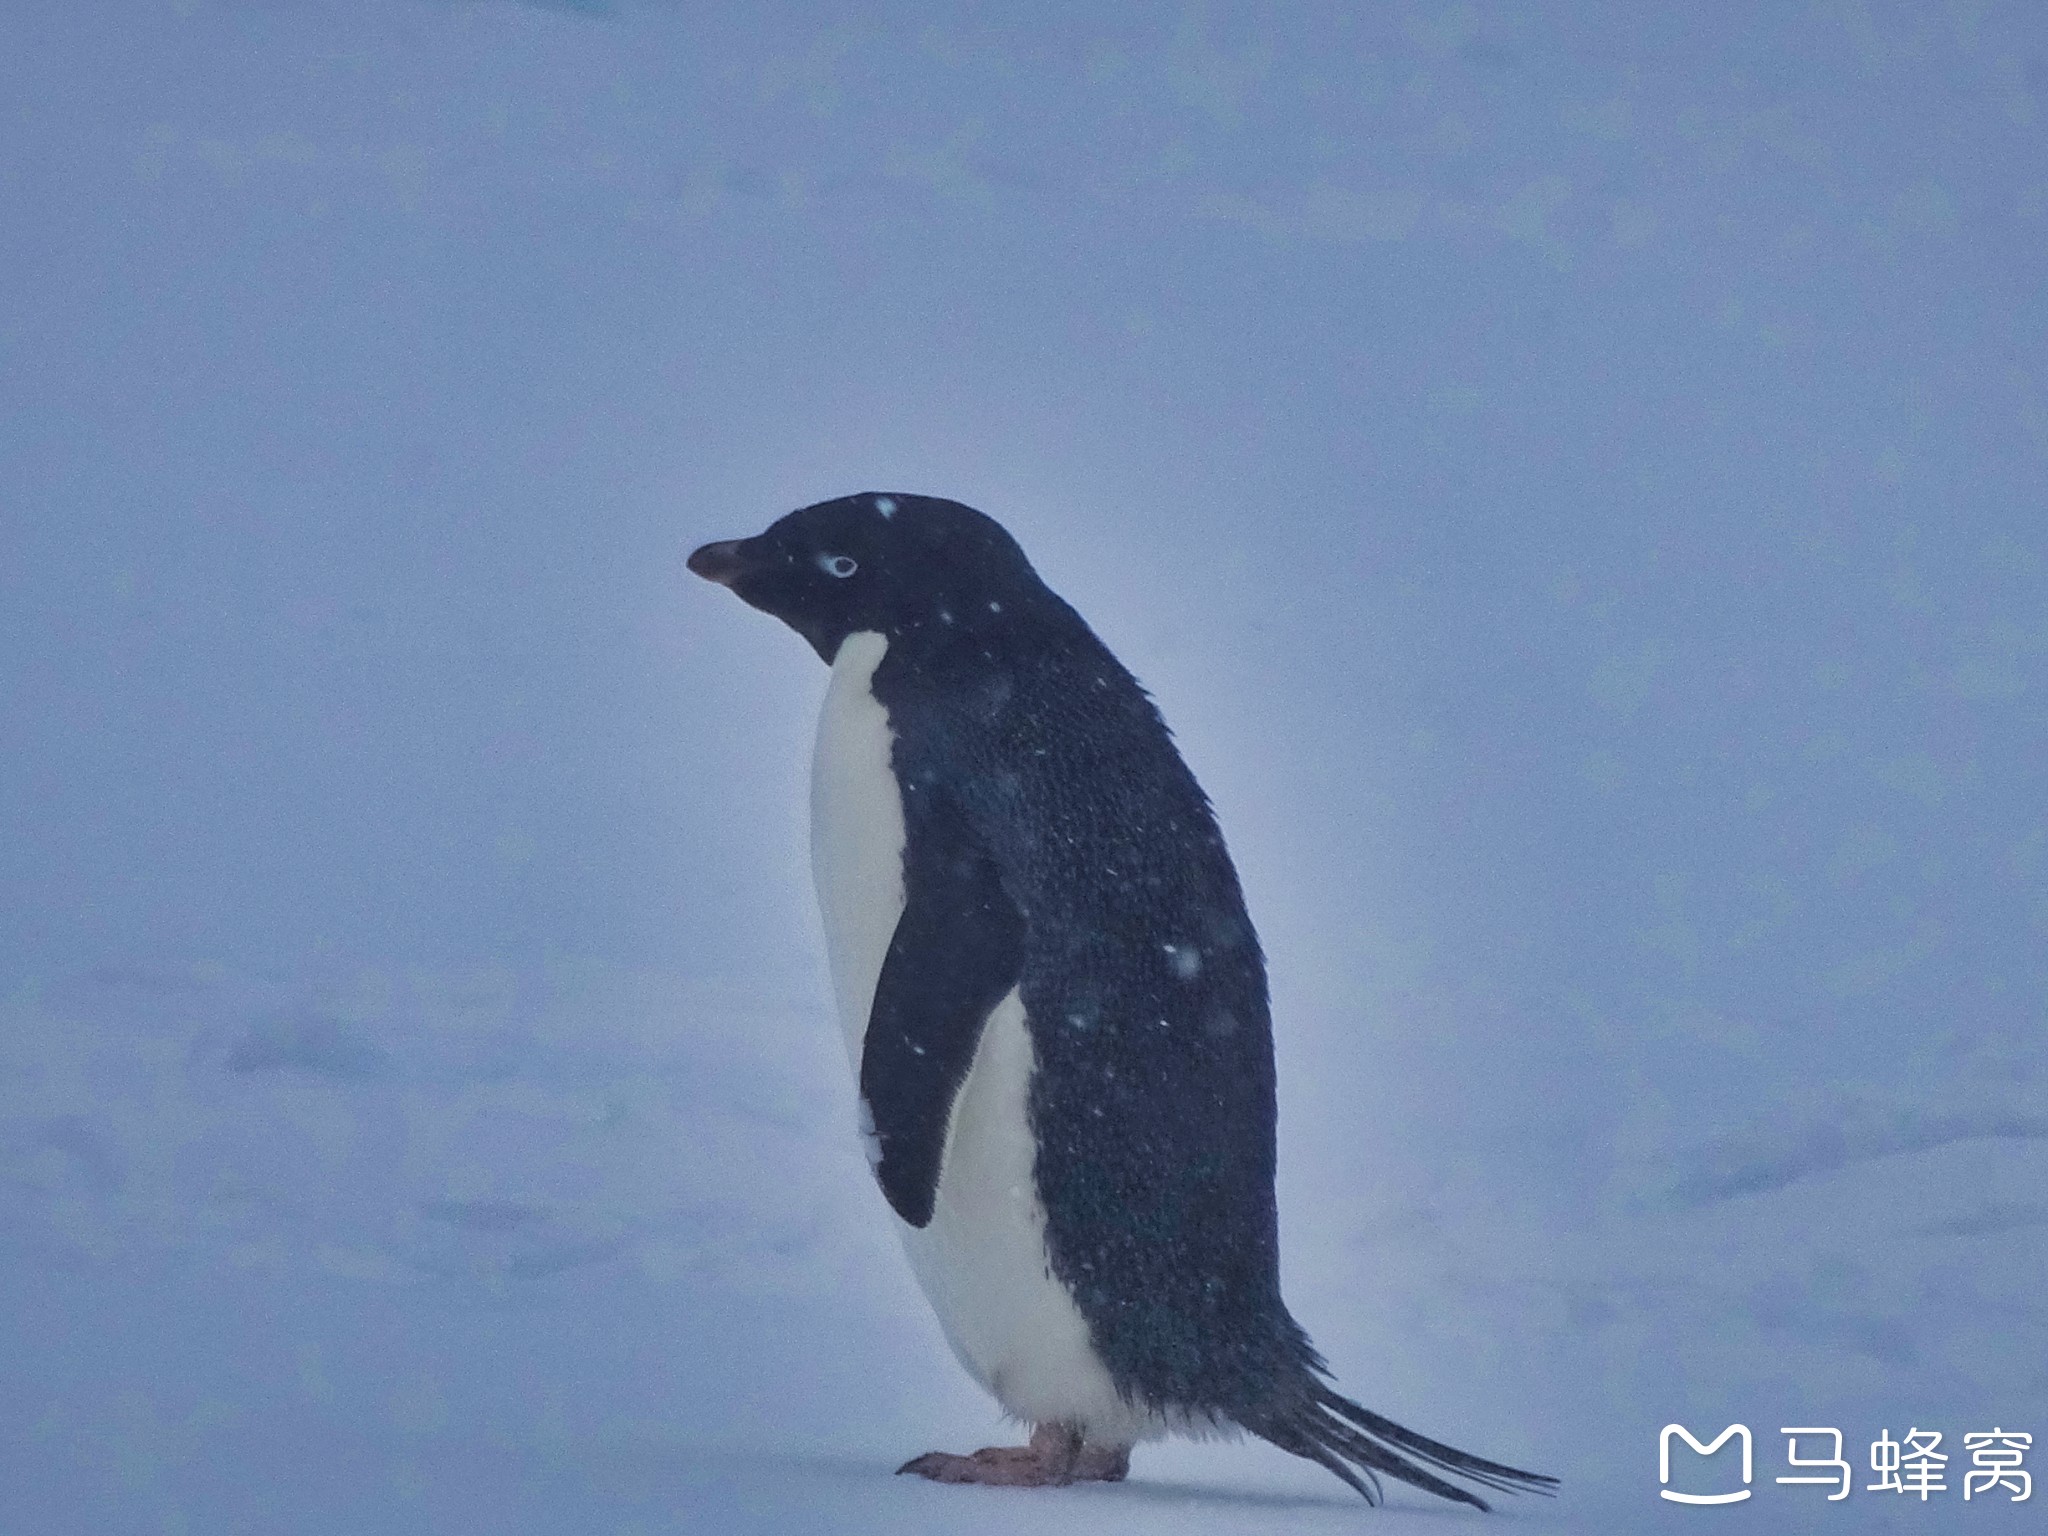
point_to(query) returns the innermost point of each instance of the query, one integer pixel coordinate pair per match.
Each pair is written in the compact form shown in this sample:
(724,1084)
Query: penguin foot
(1055,1457)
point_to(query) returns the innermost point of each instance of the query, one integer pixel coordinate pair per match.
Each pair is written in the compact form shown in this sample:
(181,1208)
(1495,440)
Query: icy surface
(600,1249)
(1570,474)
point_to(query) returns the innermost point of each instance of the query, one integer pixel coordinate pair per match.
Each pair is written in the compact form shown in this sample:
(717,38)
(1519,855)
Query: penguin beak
(721,562)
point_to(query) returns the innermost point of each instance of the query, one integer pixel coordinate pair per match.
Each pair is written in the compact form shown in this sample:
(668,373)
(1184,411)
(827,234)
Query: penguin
(1055,1008)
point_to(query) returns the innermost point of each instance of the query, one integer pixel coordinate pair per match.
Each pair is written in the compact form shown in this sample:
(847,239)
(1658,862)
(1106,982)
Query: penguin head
(898,564)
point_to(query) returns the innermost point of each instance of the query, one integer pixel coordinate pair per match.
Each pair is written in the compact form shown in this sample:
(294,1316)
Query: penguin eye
(838,565)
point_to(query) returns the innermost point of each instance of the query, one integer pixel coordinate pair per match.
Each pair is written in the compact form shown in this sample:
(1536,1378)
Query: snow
(606,1257)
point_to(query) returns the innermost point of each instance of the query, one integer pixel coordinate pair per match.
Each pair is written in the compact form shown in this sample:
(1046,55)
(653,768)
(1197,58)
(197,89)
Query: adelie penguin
(1055,1006)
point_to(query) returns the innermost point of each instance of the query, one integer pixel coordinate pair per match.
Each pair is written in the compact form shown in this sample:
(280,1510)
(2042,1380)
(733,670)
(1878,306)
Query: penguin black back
(1152,1104)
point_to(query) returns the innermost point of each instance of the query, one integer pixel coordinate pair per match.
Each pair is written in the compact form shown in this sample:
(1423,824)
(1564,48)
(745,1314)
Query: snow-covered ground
(597,1252)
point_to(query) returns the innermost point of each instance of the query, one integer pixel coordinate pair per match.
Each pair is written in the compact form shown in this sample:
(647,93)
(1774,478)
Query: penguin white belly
(982,1260)
(857,834)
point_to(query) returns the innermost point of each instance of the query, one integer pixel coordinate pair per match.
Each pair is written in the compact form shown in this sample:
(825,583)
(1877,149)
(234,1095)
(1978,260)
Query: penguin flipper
(957,950)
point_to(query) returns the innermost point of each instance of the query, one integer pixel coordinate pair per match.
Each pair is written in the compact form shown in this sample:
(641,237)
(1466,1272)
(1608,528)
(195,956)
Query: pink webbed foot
(1055,1457)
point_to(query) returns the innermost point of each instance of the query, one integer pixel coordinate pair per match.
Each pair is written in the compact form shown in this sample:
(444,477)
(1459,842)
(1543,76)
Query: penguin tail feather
(1357,1444)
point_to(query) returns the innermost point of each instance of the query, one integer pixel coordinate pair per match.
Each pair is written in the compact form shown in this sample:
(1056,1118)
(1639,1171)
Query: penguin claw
(1055,1457)
(999,1466)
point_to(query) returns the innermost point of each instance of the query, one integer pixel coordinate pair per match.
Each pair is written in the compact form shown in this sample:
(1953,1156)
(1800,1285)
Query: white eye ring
(838,565)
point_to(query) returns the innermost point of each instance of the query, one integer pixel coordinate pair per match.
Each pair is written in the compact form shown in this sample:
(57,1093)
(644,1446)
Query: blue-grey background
(1571,474)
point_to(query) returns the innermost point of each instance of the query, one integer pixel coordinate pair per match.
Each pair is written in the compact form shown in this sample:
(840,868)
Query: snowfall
(1570,475)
